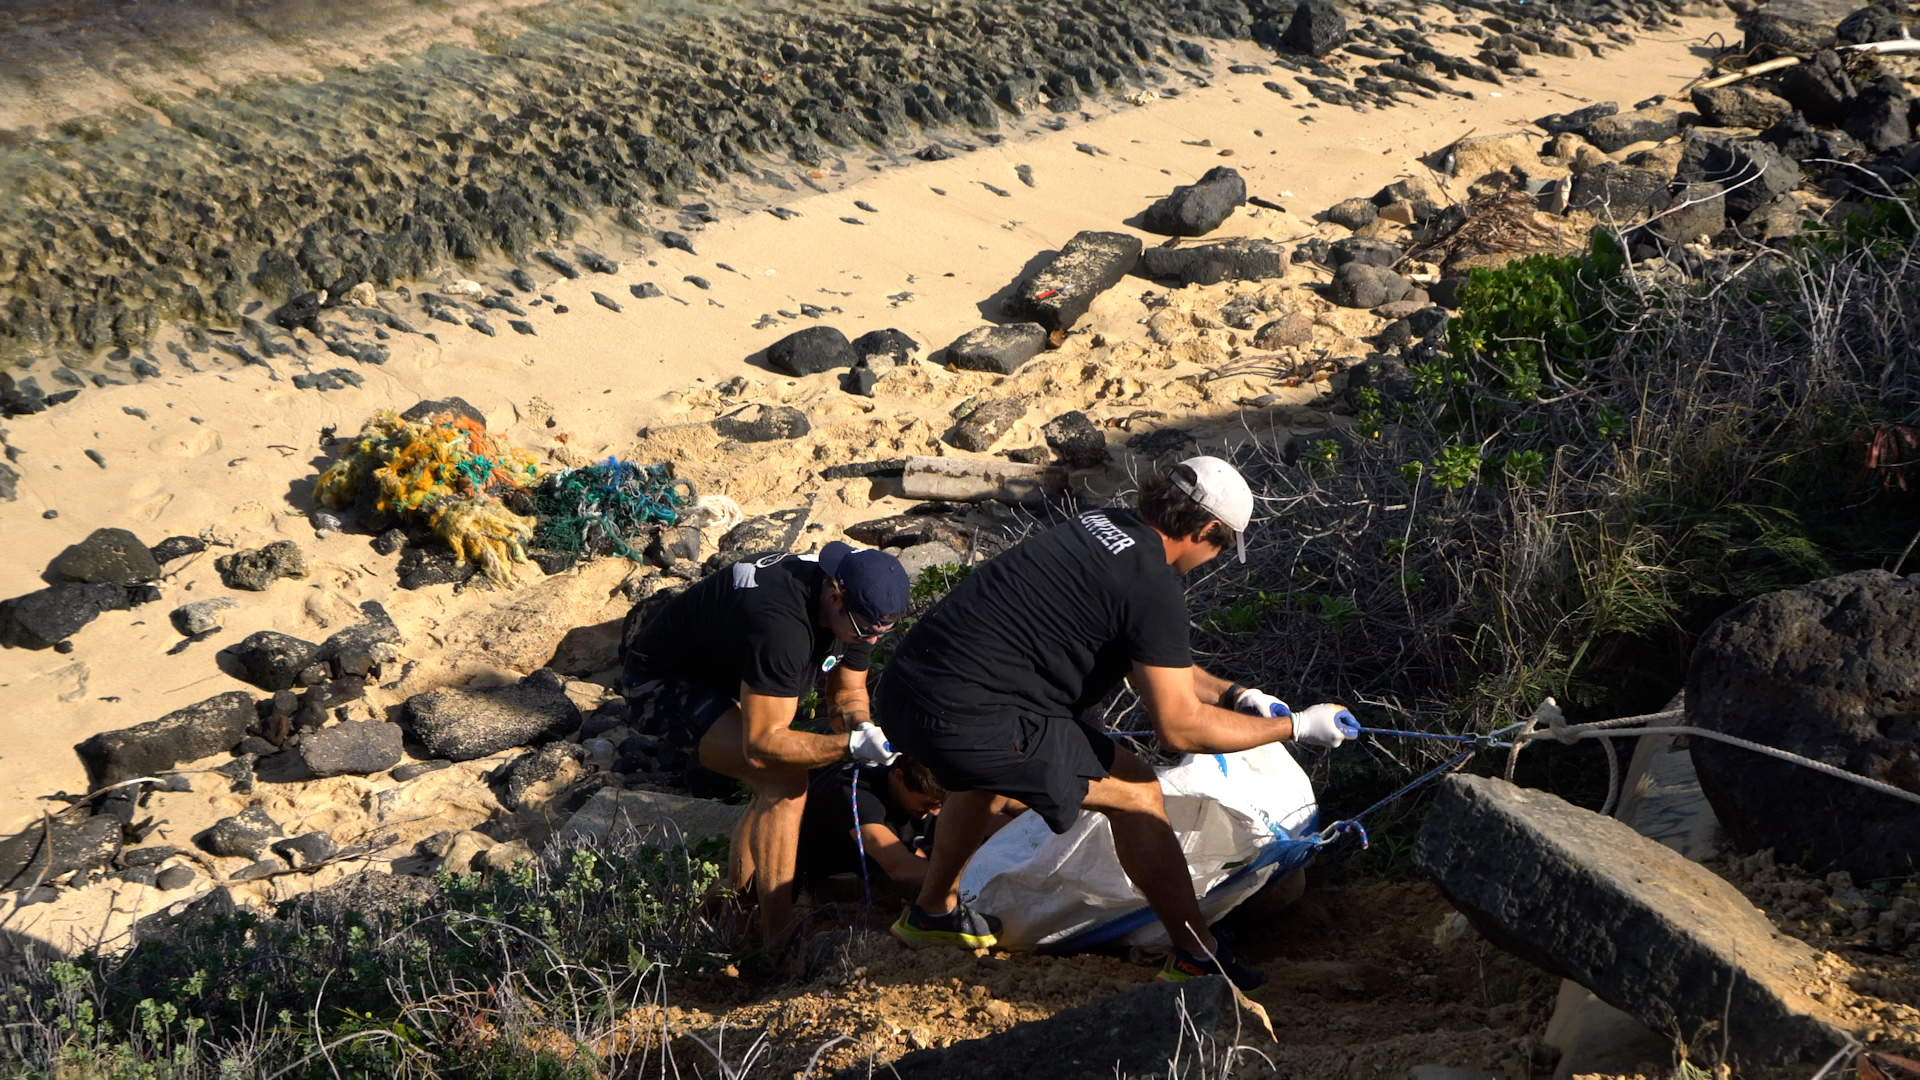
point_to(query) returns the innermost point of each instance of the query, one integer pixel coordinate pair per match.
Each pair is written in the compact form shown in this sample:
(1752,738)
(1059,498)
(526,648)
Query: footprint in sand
(191,445)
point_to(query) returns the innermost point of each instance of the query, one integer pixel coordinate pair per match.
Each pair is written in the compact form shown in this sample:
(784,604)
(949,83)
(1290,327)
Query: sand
(234,453)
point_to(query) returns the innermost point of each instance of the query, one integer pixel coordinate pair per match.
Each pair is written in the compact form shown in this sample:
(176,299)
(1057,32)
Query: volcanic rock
(1829,671)
(765,423)
(999,349)
(1740,105)
(243,836)
(1210,264)
(357,747)
(1621,130)
(811,351)
(212,726)
(1359,285)
(460,724)
(1315,29)
(43,619)
(1198,208)
(986,423)
(273,661)
(201,616)
(1089,264)
(114,555)
(1646,930)
(44,852)
(1076,440)
(257,569)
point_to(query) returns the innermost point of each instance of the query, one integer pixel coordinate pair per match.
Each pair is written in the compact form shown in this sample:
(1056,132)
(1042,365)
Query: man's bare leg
(963,821)
(766,842)
(1148,850)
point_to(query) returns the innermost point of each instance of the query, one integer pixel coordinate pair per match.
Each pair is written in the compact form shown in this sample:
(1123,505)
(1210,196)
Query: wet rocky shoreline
(391,173)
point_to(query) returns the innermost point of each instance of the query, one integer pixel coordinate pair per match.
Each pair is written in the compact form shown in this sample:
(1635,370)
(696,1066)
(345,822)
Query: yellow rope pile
(445,472)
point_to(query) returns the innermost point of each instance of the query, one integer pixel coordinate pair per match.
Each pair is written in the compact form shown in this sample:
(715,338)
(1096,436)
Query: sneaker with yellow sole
(962,927)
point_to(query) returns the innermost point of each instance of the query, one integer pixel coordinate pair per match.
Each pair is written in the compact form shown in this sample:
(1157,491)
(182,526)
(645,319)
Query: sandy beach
(237,452)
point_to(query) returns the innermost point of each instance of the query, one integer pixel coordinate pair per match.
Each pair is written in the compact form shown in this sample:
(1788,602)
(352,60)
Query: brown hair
(919,779)
(1172,511)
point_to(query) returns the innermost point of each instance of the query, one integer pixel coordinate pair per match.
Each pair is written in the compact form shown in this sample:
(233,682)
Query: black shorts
(675,710)
(1043,761)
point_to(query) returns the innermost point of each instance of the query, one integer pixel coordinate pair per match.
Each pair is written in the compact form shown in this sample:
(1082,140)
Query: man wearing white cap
(988,690)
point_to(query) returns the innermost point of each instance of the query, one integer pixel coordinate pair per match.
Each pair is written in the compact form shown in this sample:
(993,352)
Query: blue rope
(1478,741)
(860,840)
(1352,825)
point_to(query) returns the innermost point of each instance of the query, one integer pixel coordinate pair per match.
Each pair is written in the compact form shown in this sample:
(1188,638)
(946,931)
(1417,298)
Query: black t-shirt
(839,799)
(1051,625)
(751,623)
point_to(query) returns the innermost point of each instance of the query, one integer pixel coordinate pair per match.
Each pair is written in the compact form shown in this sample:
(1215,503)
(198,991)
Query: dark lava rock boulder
(535,767)
(1752,171)
(1086,266)
(1316,28)
(1740,105)
(273,661)
(986,423)
(1358,285)
(1878,22)
(460,724)
(1820,89)
(43,619)
(811,351)
(1619,193)
(255,570)
(999,349)
(890,343)
(1198,208)
(425,567)
(243,836)
(428,408)
(1557,123)
(107,555)
(1882,116)
(1210,264)
(1363,249)
(213,726)
(1779,34)
(1386,374)
(764,423)
(1073,436)
(1830,671)
(357,747)
(44,852)
(1622,130)
(1648,931)
(364,646)
(177,547)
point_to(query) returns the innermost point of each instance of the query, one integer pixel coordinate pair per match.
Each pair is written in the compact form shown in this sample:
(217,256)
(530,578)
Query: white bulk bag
(1240,818)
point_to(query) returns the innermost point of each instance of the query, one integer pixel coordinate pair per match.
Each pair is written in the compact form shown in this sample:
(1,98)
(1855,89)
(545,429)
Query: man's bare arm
(770,741)
(896,859)
(1187,725)
(847,703)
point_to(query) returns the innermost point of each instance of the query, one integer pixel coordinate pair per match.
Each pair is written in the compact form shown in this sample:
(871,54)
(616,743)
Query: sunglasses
(865,629)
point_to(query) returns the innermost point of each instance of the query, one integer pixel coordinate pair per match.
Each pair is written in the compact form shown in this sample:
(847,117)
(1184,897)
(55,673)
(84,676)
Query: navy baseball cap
(873,582)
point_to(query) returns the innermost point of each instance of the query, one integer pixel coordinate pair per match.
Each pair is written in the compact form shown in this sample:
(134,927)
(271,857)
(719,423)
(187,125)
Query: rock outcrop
(1830,671)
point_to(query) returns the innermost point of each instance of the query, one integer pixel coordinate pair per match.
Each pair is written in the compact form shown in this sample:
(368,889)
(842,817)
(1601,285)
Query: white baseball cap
(1220,489)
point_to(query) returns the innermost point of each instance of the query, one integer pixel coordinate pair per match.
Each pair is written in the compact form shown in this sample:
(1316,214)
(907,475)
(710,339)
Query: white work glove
(868,745)
(1326,725)
(1260,703)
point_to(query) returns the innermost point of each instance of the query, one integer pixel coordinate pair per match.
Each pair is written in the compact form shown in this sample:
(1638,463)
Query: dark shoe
(1183,965)
(962,926)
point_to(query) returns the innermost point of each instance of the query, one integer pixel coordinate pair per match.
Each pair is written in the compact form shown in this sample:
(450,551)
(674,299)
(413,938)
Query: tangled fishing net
(597,509)
(445,473)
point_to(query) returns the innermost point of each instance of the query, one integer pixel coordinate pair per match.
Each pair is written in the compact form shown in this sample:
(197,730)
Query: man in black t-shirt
(891,807)
(722,668)
(990,687)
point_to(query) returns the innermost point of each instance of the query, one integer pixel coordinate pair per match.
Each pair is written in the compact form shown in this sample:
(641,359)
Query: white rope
(1558,728)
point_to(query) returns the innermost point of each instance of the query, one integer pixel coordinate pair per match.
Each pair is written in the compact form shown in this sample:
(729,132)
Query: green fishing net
(597,509)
